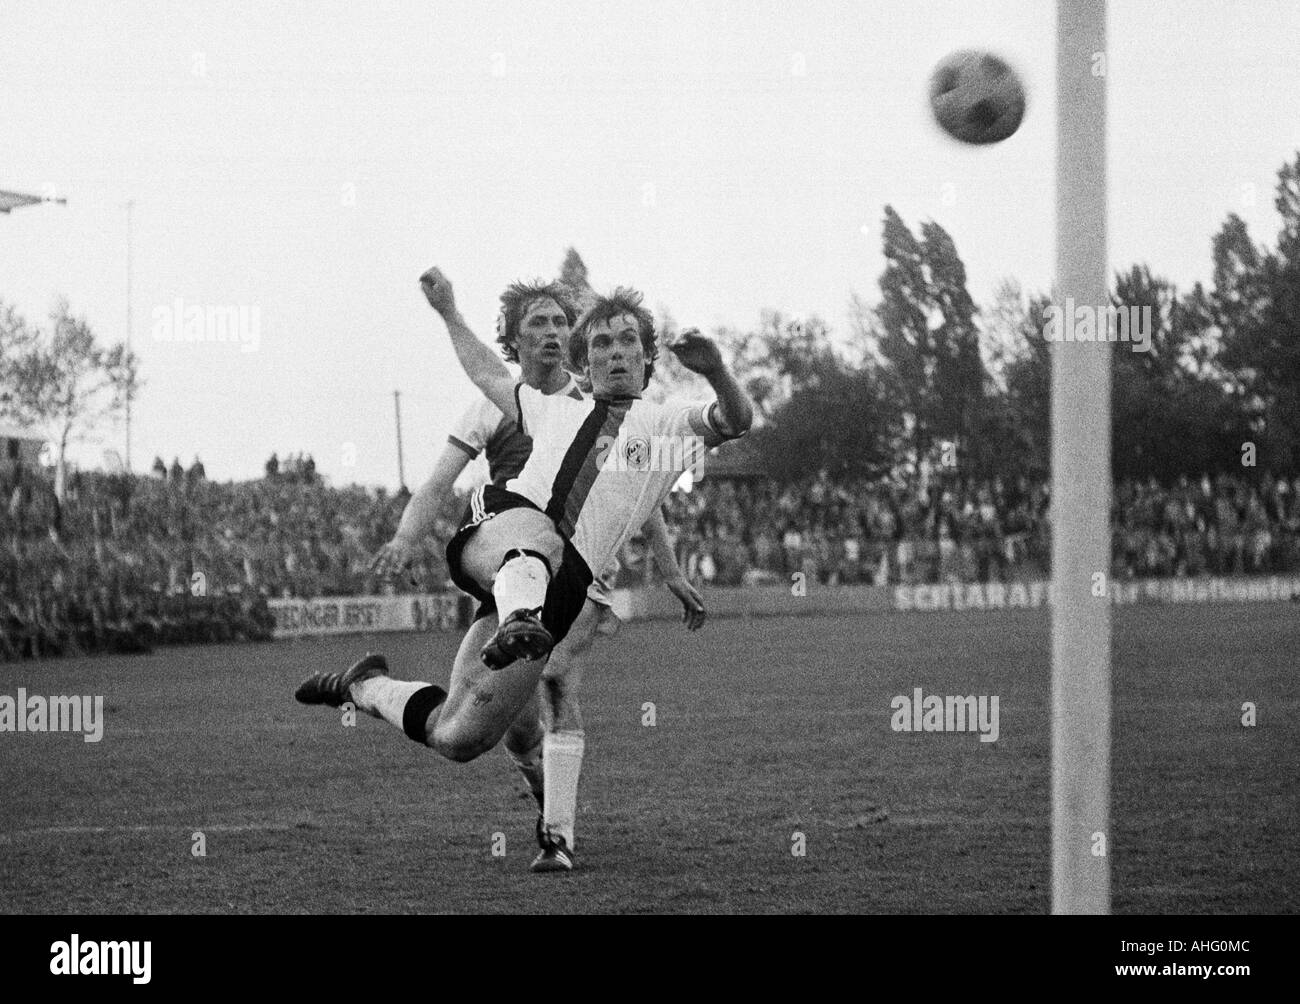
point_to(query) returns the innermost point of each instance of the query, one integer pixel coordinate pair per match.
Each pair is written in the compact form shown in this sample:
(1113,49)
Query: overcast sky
(311,160)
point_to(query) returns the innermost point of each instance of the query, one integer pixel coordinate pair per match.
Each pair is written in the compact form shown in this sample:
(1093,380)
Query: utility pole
(397,409)
(130,203)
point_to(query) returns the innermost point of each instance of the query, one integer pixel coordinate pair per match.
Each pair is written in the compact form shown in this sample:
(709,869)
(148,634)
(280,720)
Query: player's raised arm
(481,365)
(733,414)
(420,515)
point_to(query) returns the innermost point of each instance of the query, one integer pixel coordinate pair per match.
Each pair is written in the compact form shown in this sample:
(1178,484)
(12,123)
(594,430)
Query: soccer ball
(976,97)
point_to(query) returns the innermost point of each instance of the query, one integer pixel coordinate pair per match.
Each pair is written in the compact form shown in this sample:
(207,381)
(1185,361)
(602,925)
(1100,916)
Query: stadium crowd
(126,562)
(742,532)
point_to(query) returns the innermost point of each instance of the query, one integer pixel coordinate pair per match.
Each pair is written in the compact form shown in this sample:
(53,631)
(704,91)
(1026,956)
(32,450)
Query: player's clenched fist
(438,291)
(697,353)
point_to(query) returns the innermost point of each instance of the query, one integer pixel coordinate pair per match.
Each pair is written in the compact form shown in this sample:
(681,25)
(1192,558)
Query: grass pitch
(763,730)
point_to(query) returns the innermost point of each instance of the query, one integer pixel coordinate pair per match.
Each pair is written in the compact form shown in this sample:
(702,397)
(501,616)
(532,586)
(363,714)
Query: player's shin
(529,762)
(405,704)
(520,582)
(561,765)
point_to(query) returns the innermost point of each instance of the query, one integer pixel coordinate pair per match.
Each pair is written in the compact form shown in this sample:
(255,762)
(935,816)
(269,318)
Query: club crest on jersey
(636,454)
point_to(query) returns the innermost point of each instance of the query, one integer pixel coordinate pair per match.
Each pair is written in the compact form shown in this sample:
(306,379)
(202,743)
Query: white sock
(384,697)
(530,765)
(520,585)
(561,764)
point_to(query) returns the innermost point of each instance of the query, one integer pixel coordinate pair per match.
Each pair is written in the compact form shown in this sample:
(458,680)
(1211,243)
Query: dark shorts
(567,591)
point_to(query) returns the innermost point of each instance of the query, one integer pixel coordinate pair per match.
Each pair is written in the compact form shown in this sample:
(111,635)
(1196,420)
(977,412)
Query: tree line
(921,375)
(924,371)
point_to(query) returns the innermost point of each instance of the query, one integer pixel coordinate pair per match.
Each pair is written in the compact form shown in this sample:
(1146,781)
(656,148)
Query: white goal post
(1081,480)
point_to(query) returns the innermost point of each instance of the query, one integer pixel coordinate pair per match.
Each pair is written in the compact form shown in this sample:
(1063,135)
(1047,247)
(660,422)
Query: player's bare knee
(524,529)
(460,745)
(461,750)
(523,736)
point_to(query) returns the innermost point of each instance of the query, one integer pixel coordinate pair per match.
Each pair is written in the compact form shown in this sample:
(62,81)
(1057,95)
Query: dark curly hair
(622,301)
(515,302)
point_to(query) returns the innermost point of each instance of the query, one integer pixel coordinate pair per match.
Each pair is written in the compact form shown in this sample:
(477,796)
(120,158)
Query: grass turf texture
(762,729)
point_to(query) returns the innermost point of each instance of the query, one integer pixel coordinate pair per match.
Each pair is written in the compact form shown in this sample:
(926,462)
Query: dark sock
(418,708)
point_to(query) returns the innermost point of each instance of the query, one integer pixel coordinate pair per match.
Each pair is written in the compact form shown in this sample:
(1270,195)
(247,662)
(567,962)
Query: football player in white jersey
(545,742)
(597,470)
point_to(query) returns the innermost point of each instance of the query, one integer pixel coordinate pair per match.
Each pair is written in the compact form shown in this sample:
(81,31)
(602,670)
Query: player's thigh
(481,703)
(514,528)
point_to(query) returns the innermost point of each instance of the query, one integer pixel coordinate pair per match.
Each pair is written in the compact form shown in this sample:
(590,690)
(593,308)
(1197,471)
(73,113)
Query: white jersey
(600,468)
(483,429)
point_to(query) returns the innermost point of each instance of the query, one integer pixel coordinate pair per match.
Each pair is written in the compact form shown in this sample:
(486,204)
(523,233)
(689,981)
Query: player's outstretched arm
(734,414)
(420,515)
(693,612)
(481,365)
